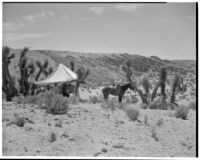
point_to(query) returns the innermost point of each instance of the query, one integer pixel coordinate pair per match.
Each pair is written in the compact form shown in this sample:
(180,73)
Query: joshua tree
(8,83)
(66,86)
(161,83)
(145,83)
(82,74)
(26,69)
(175,84)
(72,65)
(42,69)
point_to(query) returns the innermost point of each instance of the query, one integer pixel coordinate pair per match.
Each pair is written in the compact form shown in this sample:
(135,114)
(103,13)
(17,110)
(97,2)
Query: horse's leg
(120,98)
(105,94)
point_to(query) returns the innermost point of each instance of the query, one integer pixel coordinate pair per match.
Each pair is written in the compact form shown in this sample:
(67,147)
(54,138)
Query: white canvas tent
(60,75)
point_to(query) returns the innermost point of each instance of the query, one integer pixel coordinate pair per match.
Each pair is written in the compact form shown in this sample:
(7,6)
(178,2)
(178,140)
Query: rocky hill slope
(104,67)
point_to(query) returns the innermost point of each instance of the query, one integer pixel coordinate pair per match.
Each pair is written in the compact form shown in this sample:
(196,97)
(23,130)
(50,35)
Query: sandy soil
(90,130)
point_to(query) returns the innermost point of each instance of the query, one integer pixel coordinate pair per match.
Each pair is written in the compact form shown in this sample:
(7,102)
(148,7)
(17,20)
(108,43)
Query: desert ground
(92,130)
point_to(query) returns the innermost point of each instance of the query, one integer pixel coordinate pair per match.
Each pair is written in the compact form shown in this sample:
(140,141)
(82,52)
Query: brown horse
(119,91)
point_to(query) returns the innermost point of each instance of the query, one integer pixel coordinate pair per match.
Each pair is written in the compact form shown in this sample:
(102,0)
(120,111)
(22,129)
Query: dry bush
(132,113)
(144,106)
(146,120)
(193,105)
(182,112)
(50,101)
(113,105)
(18,120)
(154,133)
(57,105)
(131,99)
(58,124)
(159,103)
(159,122)
(94,99)
(52,137)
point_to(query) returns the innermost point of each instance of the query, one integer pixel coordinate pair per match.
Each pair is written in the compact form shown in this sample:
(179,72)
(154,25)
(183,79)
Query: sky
(166,30)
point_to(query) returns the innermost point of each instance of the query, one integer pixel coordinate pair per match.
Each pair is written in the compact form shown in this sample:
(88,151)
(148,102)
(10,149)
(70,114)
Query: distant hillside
(191,64)
(104,67)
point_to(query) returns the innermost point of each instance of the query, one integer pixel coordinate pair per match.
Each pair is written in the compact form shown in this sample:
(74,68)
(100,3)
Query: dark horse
(119,91)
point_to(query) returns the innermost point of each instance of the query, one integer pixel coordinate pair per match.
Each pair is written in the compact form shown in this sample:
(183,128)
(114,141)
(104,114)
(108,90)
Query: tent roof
(60,75)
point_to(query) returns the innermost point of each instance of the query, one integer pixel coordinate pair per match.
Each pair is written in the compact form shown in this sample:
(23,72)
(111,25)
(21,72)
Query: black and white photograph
(100,79)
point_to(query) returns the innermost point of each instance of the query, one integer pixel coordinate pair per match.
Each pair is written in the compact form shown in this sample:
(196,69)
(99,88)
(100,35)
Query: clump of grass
(19,121)
(193,105)
(159,103)
(132,113)
(52,137)
(182,112)
(159,122)
(52,102)
(132,99)
(144,106)
(146,120)
(154,133)
(58,124)
(110,104)
(57,105)
(94,99)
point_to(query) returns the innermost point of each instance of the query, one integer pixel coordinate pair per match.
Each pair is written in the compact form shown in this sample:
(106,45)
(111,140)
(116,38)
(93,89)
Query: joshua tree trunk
(76,91)
(155,91)
(143,98)
(8,84)
(162,86)
(172,99)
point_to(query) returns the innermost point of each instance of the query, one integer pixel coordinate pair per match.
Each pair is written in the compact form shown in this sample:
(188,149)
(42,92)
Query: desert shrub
(154,133)
(132,113)
(182,112)
(109,104)
(113,105)
(52,137)
(146,120)
(172,106)
(159,122)
(159,103)
(57,105)
(94,99)
(18,120)
(83,100)
(58,124)
(144,106)
(193,104)
(132,99)
(49,100)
